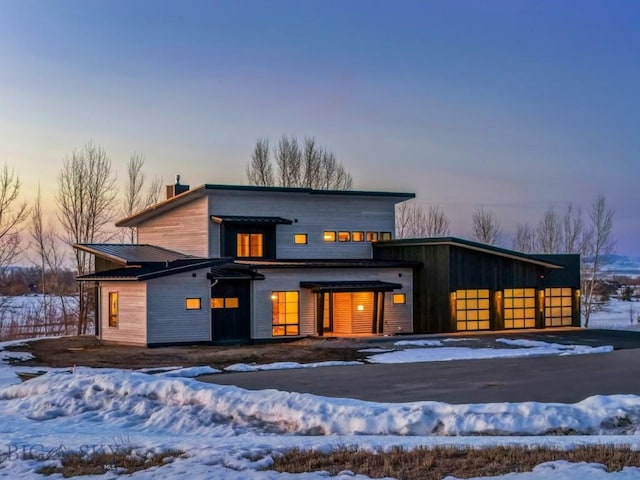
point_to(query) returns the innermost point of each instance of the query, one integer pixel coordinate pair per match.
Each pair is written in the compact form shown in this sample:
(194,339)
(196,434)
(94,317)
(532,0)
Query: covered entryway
(350,307)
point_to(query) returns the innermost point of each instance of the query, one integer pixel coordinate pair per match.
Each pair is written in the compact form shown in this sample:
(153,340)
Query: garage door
(558,307)
(472,309)
(519,308)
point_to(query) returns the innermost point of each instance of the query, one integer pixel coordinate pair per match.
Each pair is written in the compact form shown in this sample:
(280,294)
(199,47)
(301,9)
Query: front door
(230,312)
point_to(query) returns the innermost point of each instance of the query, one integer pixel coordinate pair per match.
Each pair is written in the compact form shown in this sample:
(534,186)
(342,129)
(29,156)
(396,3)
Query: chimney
(176,188)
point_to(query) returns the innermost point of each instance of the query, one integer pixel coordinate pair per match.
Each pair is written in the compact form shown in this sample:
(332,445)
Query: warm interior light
(360,308)
(274,297)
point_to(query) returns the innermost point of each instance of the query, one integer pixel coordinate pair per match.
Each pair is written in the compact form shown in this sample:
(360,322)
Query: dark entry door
(231,311)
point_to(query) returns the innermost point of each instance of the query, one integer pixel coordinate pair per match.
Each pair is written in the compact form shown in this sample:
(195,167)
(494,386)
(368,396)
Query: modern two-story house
(222,263)
(228,263)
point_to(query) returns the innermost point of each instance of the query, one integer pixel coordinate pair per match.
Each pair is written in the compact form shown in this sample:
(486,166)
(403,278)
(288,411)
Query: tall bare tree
(49,259)
(13,214)
(135,198)
(525,238)
(485,226)
(308,166)
(86,200)
(260,170)
(549,234)
(573,237)
(599,243)
(413,222)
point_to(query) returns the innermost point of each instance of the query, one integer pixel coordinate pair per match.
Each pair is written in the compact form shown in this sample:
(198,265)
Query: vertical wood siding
(184,229)
(397,318)
(168,319)
(132,313)
(310,214)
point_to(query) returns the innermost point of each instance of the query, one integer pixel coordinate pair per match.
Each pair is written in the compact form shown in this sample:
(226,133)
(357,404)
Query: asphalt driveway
(565,379)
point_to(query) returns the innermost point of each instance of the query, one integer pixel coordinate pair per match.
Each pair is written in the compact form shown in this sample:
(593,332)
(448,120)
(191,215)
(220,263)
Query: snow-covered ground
(223,429)
(616,314)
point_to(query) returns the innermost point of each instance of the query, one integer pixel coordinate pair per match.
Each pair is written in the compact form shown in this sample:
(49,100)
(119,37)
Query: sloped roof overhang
(251,220)
(128,254)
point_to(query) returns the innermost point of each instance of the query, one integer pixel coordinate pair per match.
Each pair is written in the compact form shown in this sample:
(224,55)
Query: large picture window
(284,313)
(113,309)
(250,245)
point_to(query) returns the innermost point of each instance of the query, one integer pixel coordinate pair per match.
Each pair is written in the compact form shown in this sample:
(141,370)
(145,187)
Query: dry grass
(124,460)
(425,463)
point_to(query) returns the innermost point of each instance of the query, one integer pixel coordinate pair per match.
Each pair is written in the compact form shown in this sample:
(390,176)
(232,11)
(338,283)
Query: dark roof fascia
(250,219)
(312,191)
(350,286)
(481,247)
(314,263)
(163,270)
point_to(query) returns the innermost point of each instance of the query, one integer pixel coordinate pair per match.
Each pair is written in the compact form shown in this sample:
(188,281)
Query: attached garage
(468,286)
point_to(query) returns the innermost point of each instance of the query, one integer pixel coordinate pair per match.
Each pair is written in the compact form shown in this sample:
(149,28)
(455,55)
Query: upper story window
(329,236)
(385,236)
(250,244)
(372,236)
(357,236)
(300,238)
(344,236)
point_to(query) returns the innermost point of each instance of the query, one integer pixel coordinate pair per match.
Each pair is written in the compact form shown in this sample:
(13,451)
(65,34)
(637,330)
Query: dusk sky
(512,105)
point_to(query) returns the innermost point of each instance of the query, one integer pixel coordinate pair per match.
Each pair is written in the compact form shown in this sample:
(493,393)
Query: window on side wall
(329,236)
(193,303)
(113,309)
(385,236)
(300,238)
(372,236)
(357,236)
(284,313)
(399,298)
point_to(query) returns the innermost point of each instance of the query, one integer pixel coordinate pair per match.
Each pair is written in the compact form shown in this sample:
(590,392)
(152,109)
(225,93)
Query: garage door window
(519,308)
(472,309)
(558,311)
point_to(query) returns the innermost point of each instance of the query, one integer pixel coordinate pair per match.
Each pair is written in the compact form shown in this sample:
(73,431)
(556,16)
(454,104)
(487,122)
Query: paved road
(544,379)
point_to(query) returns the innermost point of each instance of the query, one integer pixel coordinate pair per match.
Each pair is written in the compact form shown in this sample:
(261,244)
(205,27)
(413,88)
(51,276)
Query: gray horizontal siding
(310,214)
(184,229)
(168,319)
(397,318)
(132,311)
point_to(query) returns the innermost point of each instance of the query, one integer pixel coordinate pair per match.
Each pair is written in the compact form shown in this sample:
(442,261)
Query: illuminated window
(385,236)
(519,308)
(249,244)
(300,238)
(472,309)
(217,303)
(558,307)
(357,236)
(231,302)
(399,298)
(372,236)
(113,309)
(284,313)
(344,236)
(329,236)
(193,304)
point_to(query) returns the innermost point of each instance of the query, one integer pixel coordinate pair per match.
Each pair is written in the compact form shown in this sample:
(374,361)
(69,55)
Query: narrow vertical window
(113,309)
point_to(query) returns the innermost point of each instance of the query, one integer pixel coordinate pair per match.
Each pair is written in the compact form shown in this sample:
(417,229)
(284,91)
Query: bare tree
(525,238)
(13,213)
(486,227)
(549,234)
(86,200)
(50,261)
(260,170)
(309,166)
(573,231)
(599,243)
(135,199)
(411,221)
(437,222)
